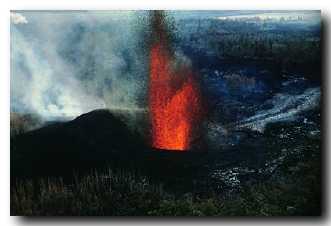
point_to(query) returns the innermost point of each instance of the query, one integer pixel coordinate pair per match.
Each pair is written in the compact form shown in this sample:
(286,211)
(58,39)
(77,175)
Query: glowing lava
(174,100)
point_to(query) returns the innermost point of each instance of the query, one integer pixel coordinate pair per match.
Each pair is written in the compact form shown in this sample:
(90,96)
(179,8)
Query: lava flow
(174,97)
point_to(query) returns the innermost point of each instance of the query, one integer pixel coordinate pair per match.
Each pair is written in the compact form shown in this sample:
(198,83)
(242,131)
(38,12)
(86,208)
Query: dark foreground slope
(95,140)
(89,139)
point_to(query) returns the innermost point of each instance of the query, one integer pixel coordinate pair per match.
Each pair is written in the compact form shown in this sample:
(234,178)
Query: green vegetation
(126,194)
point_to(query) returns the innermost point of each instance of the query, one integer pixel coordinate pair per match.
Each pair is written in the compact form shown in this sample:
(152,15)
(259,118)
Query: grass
(120,194)
(126,194)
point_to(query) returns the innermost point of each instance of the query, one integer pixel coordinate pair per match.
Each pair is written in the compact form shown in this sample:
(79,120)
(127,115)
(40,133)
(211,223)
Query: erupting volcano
(174,97)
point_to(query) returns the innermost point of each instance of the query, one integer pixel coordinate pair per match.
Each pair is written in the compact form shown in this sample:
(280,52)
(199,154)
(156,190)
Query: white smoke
(69,63)
(17,18)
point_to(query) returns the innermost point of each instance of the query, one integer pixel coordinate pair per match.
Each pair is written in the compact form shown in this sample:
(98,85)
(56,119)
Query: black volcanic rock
(89,139)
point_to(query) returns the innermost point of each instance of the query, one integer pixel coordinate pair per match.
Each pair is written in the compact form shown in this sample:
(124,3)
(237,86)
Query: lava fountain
(174,96)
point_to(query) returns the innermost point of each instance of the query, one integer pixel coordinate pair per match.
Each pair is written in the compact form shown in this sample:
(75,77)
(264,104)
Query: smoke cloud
(67,63)
(17,18)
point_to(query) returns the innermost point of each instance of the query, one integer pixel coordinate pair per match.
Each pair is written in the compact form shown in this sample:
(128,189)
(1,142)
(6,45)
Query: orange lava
(174,101)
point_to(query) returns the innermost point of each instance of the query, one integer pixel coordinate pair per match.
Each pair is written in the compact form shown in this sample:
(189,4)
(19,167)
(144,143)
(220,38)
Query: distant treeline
(290,47)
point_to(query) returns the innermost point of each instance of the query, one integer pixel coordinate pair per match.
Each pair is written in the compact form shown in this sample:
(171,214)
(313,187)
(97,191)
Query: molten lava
(174,100)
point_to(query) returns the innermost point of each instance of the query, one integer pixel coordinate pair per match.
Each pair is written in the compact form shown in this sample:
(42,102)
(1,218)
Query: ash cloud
(67,63)
(17,18)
